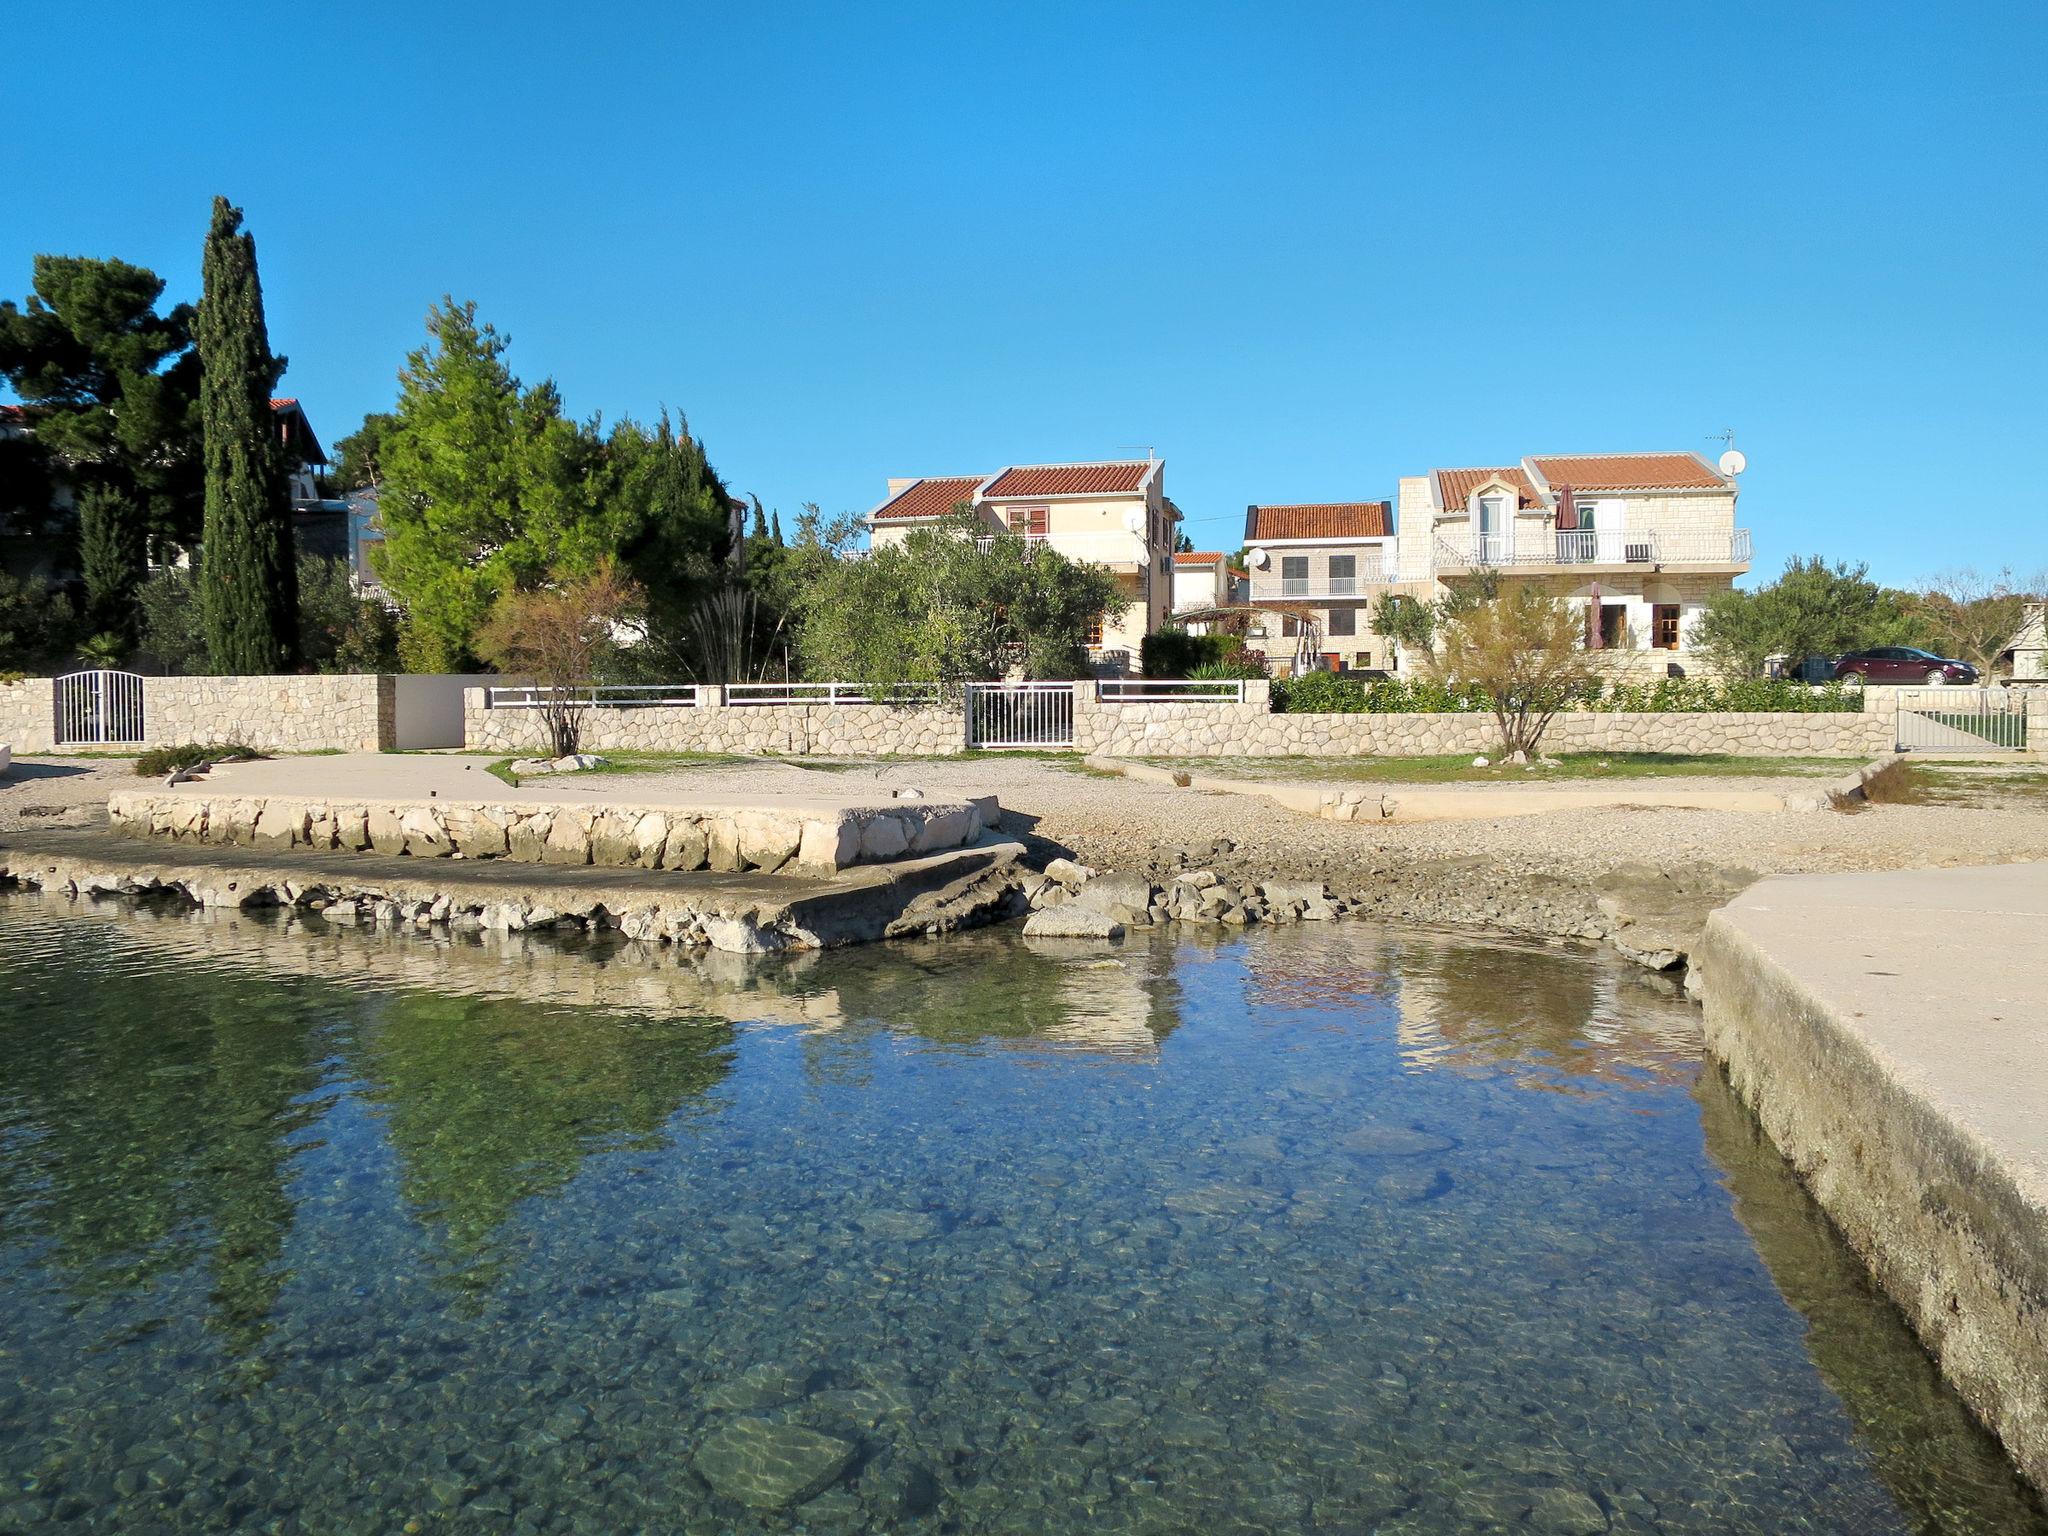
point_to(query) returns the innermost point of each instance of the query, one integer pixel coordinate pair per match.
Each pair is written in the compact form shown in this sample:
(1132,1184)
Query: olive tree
(1527,649)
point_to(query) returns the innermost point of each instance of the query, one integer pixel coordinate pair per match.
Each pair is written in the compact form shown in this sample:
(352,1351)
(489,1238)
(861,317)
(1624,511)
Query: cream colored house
(1113,514)
(1647,537)
(1201,579)
(1317,567)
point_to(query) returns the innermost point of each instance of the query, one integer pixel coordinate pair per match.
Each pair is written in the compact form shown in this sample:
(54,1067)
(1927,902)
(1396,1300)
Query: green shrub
(1176,653)
(1238,664)
(160,762)
(1325,693)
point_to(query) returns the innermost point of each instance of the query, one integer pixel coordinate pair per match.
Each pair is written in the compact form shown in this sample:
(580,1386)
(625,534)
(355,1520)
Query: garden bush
(1176,653)
(1326,693)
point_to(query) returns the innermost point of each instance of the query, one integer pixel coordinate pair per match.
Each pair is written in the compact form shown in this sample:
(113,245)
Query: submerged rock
(771,1466)
(1394,1141)
(765,1386)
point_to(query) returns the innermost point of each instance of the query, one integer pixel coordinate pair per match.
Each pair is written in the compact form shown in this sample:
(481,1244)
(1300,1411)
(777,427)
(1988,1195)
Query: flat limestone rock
(1071,922)
(771,1466)
(765,1386)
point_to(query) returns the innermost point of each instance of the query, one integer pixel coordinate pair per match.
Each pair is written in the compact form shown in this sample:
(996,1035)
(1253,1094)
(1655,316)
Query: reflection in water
(307,1232)
(1928,1449)
(1551,1026)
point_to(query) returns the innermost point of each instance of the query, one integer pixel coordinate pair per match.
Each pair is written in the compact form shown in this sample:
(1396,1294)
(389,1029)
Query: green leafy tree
(38,626)
(1812,609)
(487,489)
(340,629)
(248,578)
(1973,617)
(111,388)
(676,554)
(1524,649)
(172,621)
(938,608)
(359,457)
(112,559)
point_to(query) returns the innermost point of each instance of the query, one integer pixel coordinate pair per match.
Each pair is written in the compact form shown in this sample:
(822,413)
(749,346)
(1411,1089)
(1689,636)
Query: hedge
(1176,653)
(1326,693)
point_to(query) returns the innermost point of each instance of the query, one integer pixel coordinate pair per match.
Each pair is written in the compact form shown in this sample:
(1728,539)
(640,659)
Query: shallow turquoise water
(1333,1230)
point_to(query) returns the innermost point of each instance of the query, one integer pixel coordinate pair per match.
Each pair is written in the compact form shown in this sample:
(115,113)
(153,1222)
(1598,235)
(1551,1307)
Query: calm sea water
(1330,1230)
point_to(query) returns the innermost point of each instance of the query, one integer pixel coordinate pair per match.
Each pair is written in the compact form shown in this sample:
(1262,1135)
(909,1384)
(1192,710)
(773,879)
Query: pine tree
(112,559)
(249,577)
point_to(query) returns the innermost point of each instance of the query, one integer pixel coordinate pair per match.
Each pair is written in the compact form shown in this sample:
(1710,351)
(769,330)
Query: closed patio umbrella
(1594,639)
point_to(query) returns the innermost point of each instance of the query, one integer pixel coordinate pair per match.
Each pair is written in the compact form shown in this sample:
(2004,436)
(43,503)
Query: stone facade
(809,841)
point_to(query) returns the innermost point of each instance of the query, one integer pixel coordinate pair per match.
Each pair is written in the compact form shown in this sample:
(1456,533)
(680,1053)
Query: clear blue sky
(1301,250)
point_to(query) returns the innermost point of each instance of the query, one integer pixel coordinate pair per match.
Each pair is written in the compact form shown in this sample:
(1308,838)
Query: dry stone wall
(27,715)
(852,730)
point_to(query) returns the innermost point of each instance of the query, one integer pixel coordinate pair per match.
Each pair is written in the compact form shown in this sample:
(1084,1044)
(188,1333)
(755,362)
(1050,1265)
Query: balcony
(1592,548)
(1269,588)
(1111,548)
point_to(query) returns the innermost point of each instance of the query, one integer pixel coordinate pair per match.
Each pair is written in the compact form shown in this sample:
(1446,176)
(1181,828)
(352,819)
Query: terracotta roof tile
(928,497)
(1458,484)
(1194,559)
(1628,471)
(1069,479)
(1320,520)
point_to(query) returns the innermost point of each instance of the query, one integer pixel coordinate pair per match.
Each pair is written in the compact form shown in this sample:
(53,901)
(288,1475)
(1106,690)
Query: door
(1013,715)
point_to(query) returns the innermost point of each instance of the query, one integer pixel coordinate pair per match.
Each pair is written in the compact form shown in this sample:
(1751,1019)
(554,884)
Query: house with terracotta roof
(1316,568)
(1111,513)
(1643,540)
(1201,579)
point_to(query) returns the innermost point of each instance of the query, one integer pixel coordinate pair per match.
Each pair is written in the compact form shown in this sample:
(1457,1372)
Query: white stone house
(1643,538)
(1108,513)
(1323,564)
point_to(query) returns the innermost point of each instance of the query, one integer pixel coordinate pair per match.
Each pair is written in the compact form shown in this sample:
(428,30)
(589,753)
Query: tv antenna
(1732,461)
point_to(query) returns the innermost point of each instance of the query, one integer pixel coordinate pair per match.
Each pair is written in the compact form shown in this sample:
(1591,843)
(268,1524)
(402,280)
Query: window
(1343,621)
(1289,625)
(1343,577)
(1489,515)
(1361,660)
(1093,638)
(1664,626)
(1294,575)
(1027,521)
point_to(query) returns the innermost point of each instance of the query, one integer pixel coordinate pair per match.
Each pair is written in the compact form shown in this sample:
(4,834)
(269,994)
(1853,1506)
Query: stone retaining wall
(1246,730)
(28,721)
(322,713)
(1220,730)
(853,730)
(801,840)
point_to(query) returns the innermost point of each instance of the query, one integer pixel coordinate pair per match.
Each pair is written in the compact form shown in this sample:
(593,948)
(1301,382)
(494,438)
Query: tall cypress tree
(248,577)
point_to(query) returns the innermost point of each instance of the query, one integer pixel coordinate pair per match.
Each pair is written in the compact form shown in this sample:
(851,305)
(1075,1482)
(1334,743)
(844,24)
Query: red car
(1904,664)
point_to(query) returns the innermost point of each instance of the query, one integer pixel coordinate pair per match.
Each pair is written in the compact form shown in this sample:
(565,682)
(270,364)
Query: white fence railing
(602,696)
(1020,715)
(741,695)
(1962,720)
(1165,690)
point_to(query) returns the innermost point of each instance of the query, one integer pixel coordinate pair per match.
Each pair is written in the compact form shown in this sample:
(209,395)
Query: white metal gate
(98,708)
(1020,715)
(1962,720)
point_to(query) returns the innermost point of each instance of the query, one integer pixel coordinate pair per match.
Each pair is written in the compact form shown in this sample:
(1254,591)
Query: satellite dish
(1258,559)
(1134,520)
(1733,463)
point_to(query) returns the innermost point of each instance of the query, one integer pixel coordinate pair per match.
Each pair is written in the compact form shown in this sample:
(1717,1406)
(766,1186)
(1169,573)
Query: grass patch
(1574,767)
(159,762)
(1986,787)
(502,769)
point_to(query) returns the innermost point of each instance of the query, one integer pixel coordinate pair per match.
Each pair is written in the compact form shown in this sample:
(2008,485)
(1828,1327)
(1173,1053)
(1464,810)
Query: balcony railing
(1267,587)
(1107,547)
(1589,546)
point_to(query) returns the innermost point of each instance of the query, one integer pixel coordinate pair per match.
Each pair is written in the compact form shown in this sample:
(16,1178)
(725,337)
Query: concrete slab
(1891,1033)
(435,807)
